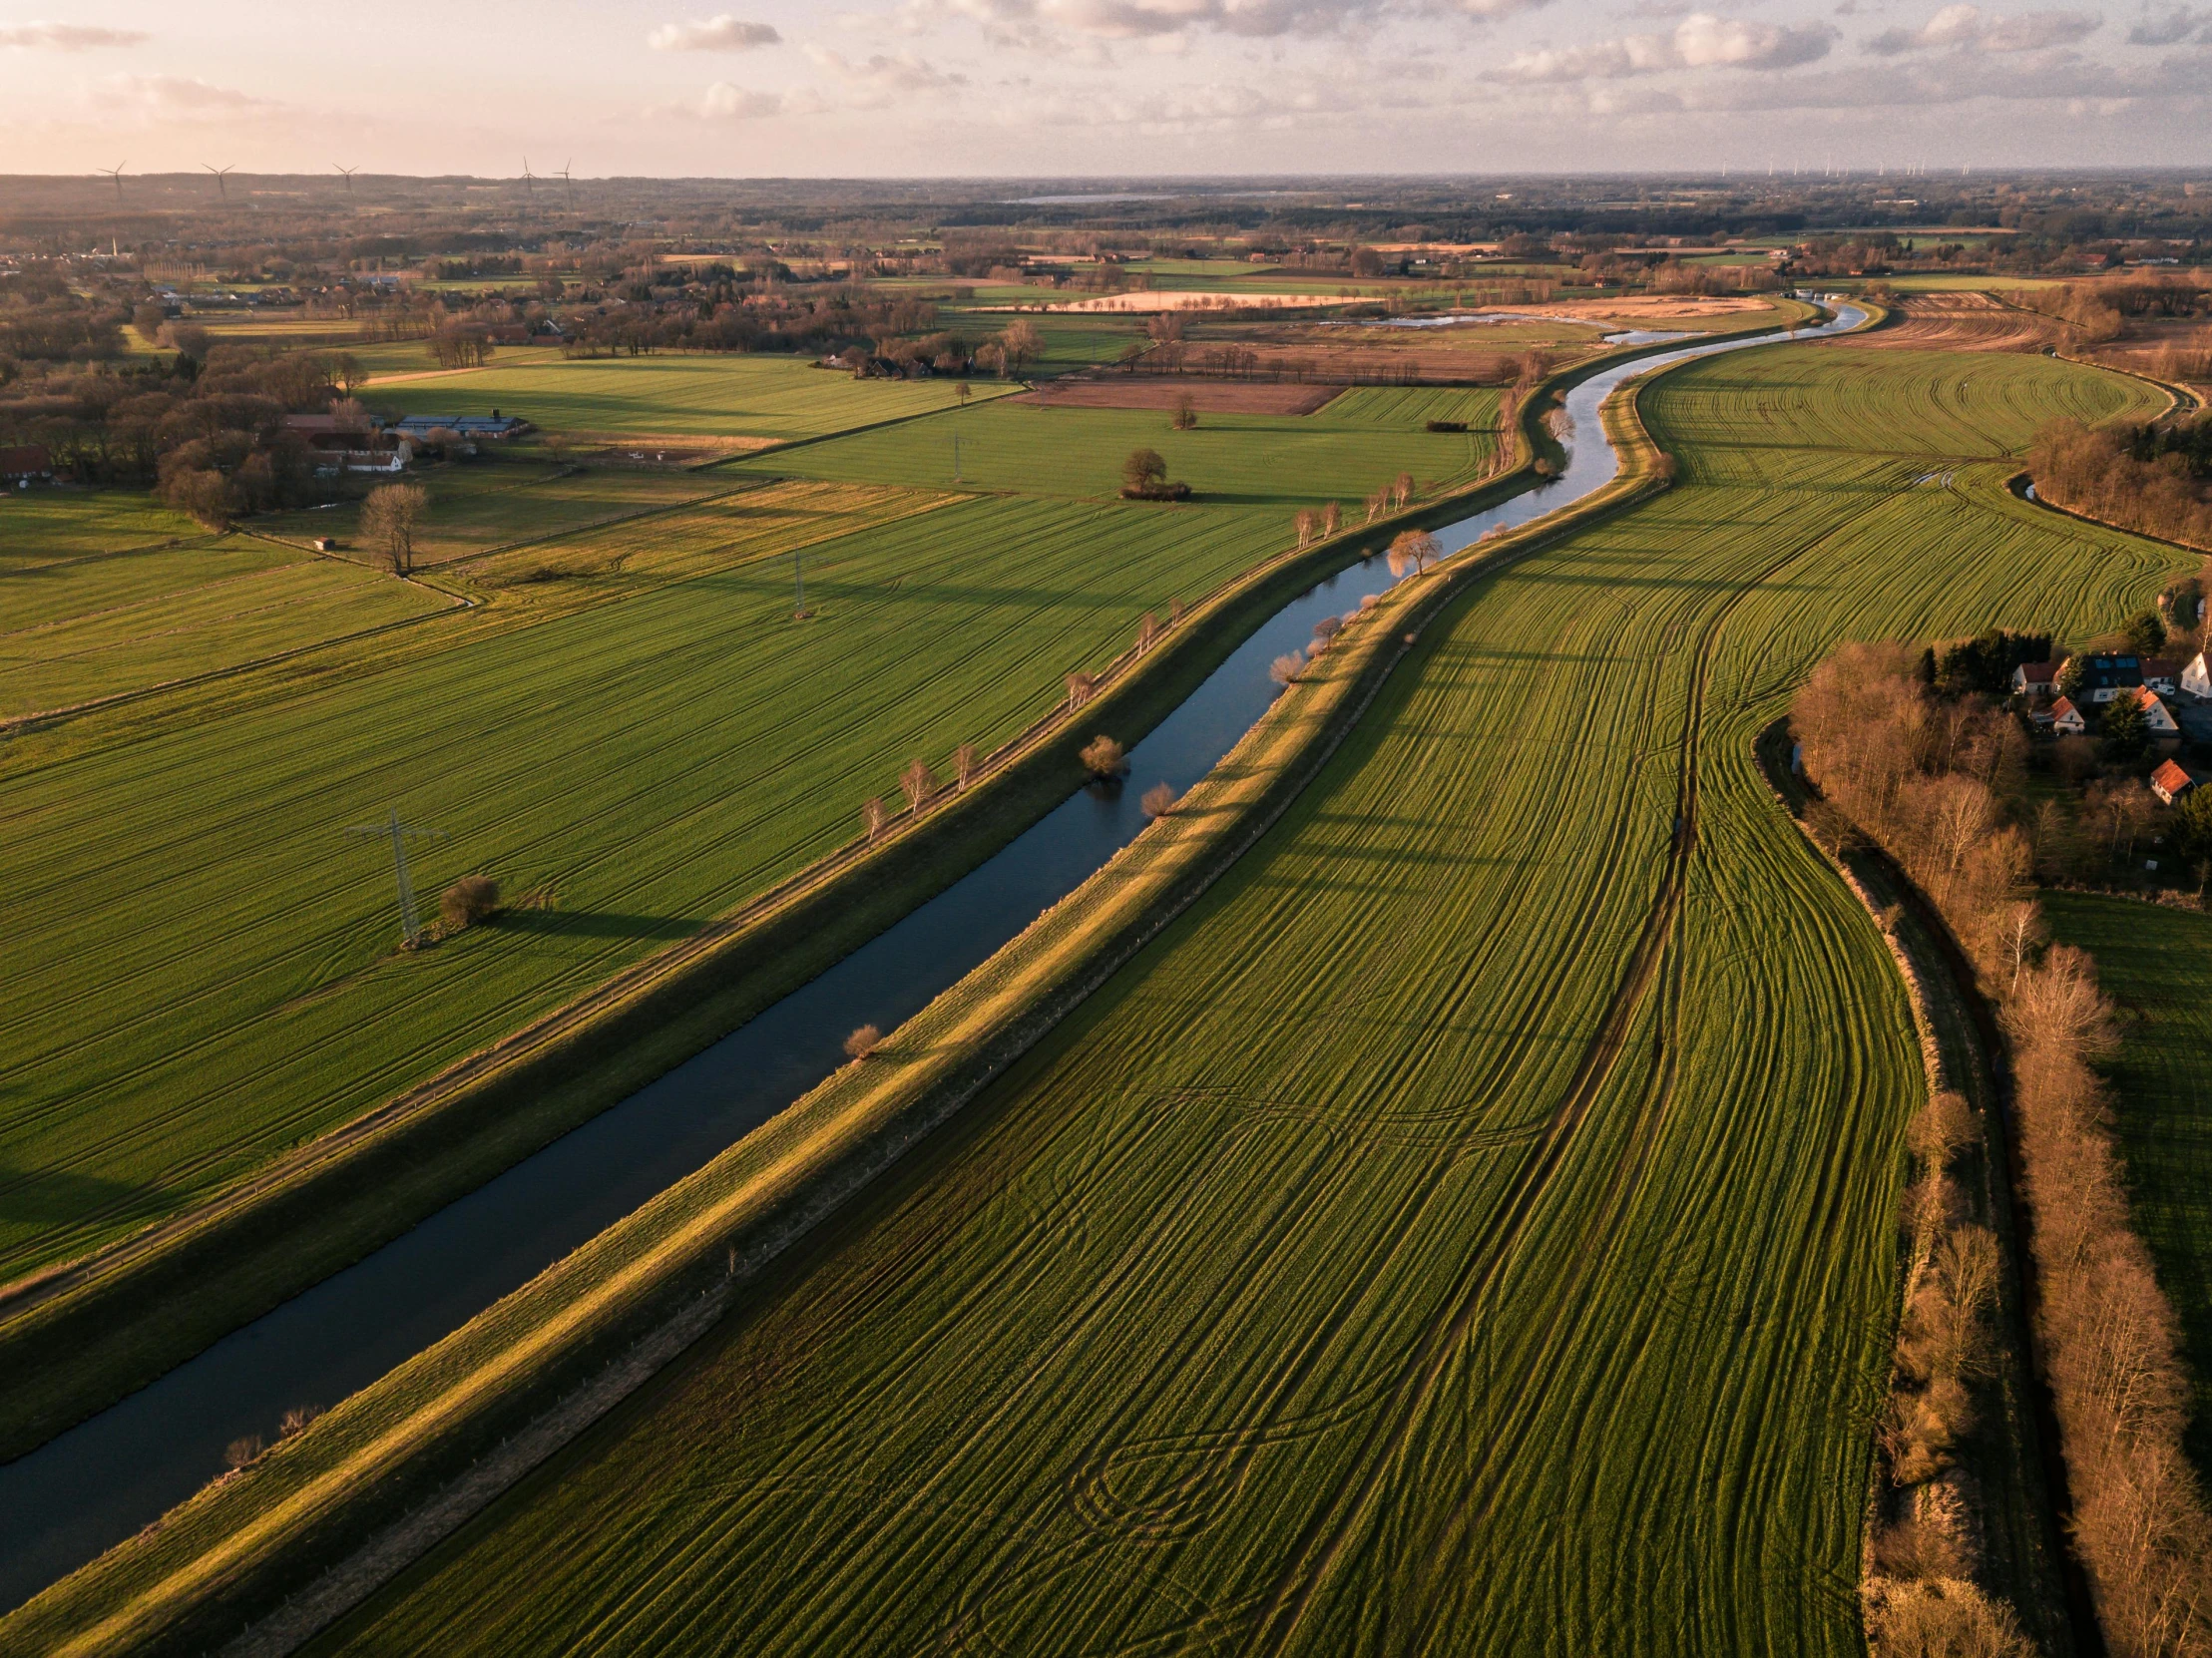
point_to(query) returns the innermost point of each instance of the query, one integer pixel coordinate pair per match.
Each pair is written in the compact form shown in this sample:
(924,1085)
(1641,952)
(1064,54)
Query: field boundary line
(2020,483)
(245,1544)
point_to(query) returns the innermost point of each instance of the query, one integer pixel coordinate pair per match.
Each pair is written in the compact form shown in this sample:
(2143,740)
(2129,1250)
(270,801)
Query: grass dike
(384,1475)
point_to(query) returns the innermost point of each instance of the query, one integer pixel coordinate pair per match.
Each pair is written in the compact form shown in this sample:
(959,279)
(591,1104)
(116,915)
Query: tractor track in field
(1324,1541)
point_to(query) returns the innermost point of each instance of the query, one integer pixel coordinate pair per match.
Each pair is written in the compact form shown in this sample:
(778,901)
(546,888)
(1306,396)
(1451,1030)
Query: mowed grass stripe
(1279,1249)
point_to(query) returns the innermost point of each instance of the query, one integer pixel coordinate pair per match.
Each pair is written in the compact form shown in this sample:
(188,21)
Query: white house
(2171,782)
(2196,679)
(2065,718)
(2158,719)
(2035,681)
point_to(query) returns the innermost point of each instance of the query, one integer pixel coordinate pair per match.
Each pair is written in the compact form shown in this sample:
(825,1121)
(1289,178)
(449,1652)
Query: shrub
(241,1452)
(1284,669)
(1943,1617)
(1159,800)
(471,899)
(296,1420)
(1104,757)
(863,1041)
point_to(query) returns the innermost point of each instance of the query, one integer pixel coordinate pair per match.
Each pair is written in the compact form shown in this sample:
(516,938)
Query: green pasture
(49,525)
(1471,1228)
(512,496)
(1242,460)
(2157,965)
(93,628)
(670,394)
(200,961)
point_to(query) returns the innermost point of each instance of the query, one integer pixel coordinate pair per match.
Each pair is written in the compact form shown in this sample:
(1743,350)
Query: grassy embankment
(609,763)
(1638,1270)
(2157,965)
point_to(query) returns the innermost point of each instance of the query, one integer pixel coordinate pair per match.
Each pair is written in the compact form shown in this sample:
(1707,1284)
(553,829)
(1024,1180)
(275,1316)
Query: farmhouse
(2196,679)
(2035,680)
(2104,677)
(2065,718)
(2171,782)
(25,464)
(493,426)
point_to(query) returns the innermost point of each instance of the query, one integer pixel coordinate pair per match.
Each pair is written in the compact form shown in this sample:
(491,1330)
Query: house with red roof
(2065,718)
(2035,680)
(2171,782)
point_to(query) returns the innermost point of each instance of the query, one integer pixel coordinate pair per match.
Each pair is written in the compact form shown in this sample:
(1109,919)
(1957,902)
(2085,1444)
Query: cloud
(68,37)
(1046,25)
(724,102)
(882,78)
(1699,41)
(1969,28)
(717,34)
(174,98)
(2176,25)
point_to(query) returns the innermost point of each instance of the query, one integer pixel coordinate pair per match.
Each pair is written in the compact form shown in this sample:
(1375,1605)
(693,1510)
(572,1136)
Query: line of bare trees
(1933,784)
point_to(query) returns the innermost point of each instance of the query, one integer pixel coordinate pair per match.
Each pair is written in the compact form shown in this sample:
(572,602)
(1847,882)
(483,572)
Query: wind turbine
(528,180)
(115,172)
(221,175)
(348,172)
(568,183)
(400,834)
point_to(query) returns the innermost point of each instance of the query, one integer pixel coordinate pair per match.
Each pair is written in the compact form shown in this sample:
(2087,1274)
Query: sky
(1102,88)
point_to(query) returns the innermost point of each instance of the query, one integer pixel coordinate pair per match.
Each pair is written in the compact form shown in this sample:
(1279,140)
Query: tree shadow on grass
(37,1199)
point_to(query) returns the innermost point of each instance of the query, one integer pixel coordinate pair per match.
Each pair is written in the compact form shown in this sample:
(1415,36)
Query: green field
(509,498)
(45,526)
(2157,964)
(200,959)
(130,621)
(1468,1229)
(1237,460)
(669,395)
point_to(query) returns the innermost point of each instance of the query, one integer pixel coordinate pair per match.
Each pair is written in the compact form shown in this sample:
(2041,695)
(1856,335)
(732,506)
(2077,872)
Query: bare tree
(1308,522)
(873,815)
(1081,687)
(918,783)
(1332,518)
(1284,669)
(1147,633)
(864,1040)
(1401,489)
(1159,800)
(965,760)
(1186,413)
(1415,550)
(390,519)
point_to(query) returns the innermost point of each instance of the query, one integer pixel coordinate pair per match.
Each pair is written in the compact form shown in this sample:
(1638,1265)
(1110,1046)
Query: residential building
(2035,680)
(2196,679)
(2171,782)
(2106,676)
(2065,718)
(2158,719)
(26,462)
(2162,674)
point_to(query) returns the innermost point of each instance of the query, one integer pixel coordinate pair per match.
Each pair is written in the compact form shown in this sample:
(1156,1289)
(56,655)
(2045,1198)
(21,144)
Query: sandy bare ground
(1958,323)
(1129,391)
